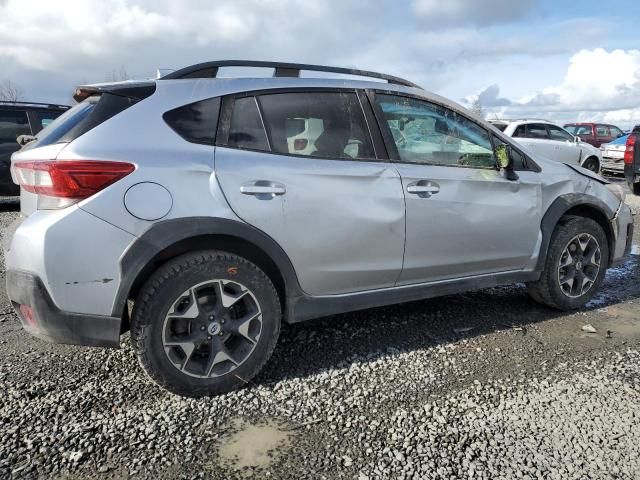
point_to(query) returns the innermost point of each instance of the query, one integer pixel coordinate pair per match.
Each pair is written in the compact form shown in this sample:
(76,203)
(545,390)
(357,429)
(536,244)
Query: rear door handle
(263,189)
(423,188)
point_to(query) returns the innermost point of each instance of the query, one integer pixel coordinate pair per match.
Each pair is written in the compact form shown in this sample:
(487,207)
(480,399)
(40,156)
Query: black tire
(181,281)
(548,290)
(635,188)
(592,164)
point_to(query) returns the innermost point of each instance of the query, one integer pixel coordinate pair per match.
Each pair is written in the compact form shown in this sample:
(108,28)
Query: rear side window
(521,131)
(13,123)
(602,131)
(196,122)
(537,130)
(246,129)
(317,124)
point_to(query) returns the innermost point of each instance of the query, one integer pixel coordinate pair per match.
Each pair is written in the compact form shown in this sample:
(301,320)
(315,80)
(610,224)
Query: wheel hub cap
(214,328)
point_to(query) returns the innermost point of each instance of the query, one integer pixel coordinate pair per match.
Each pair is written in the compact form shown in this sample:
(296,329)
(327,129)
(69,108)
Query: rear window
(500,126)
(196,122)
(83,117)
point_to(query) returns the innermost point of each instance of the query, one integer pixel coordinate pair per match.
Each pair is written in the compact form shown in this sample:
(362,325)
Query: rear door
(463,217)
(313,182)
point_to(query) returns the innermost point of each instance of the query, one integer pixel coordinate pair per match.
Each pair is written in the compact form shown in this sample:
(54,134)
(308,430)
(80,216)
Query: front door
(463,217)
(313,183)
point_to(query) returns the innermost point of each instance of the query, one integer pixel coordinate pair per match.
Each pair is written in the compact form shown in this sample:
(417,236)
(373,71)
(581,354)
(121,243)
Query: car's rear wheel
(592,164)
(575,266)
(205,323)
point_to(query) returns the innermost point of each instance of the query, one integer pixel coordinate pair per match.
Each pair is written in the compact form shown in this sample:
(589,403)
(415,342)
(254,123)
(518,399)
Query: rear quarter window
(196,122)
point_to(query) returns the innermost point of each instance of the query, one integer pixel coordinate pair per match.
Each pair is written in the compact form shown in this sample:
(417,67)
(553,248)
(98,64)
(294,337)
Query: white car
(549,140)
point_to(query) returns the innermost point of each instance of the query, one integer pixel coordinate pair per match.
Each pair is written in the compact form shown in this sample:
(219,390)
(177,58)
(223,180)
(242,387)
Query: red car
(594,133)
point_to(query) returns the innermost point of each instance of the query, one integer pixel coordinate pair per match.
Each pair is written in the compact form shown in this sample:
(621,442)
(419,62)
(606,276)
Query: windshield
(578,129)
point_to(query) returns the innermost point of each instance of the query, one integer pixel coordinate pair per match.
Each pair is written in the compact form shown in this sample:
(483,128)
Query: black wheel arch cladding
(154,247)
(578,204)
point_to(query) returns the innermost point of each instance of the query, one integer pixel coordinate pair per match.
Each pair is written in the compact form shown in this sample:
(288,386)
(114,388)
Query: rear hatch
(98,103)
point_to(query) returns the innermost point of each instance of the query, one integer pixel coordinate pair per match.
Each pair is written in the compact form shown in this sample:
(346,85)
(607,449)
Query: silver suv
(201,212)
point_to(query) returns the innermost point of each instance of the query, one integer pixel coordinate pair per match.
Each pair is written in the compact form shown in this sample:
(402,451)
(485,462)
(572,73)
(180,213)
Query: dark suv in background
(594,133)
(20,118)
(632,160)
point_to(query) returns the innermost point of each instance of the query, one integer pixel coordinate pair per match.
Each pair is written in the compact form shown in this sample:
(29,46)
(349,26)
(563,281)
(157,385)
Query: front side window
(13,123)
(427,133)
(556,133)
(616,132)
(317,124)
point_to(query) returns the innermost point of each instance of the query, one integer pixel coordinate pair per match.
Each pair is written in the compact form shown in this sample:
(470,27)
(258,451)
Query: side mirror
(620,135)
(503,161)
(24,139)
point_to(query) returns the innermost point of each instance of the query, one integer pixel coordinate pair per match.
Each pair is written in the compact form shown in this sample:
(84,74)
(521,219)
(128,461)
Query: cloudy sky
(545,58)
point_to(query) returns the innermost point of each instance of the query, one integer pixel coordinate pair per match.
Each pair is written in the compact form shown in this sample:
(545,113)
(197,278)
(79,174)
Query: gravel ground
(482,385)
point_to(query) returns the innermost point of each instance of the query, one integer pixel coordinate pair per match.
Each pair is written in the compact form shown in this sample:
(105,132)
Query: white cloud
(599,85)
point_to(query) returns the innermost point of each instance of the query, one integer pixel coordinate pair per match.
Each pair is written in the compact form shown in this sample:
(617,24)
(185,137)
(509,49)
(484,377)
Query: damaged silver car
(201,212)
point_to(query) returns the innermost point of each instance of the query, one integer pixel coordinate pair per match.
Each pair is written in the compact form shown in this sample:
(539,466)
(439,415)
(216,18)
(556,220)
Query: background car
(632,160)
(594,133)
(551,141)
(21,118)
(613,155)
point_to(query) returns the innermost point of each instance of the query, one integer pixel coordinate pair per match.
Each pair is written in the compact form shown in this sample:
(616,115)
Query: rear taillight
(68,179)
(629,152)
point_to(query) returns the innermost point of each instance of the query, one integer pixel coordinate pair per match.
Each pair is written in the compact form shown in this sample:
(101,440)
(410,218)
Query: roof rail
(210,70)
(33,104)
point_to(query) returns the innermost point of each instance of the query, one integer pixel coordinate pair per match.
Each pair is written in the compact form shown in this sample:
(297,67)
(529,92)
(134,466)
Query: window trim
(227,106)
(394,156)
(548,127)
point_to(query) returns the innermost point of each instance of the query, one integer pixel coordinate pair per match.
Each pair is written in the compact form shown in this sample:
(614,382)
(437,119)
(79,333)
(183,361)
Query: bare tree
(476,107)
(10,92)
(118,76)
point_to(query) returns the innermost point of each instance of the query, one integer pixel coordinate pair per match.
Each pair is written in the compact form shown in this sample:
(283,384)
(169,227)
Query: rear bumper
(54,325)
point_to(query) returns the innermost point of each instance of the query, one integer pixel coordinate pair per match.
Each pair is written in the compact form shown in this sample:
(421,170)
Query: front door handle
(263,189)
(423,188)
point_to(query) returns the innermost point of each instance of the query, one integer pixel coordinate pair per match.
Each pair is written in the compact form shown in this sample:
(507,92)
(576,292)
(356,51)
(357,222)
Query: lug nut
(203,328)
(220,334)
(208,337)
(210,317)
(221,321)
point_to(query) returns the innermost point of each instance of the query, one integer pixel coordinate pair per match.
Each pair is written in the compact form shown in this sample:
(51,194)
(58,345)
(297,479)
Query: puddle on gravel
(253,445)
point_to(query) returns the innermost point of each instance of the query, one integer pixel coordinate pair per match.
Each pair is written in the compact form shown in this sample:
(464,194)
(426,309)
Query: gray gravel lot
(482,385)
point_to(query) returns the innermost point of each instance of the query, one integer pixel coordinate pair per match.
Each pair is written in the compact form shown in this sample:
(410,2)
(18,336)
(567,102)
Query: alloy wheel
(212,328)
(579,265)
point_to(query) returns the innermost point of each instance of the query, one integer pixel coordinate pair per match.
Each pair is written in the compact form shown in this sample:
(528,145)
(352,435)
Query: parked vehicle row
(223,210)
(21,119)
(594,133)
(552,141)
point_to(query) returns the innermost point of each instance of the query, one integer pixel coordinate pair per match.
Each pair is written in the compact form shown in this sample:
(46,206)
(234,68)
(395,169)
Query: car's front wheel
(205,323)
(592,164)
(575,266)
